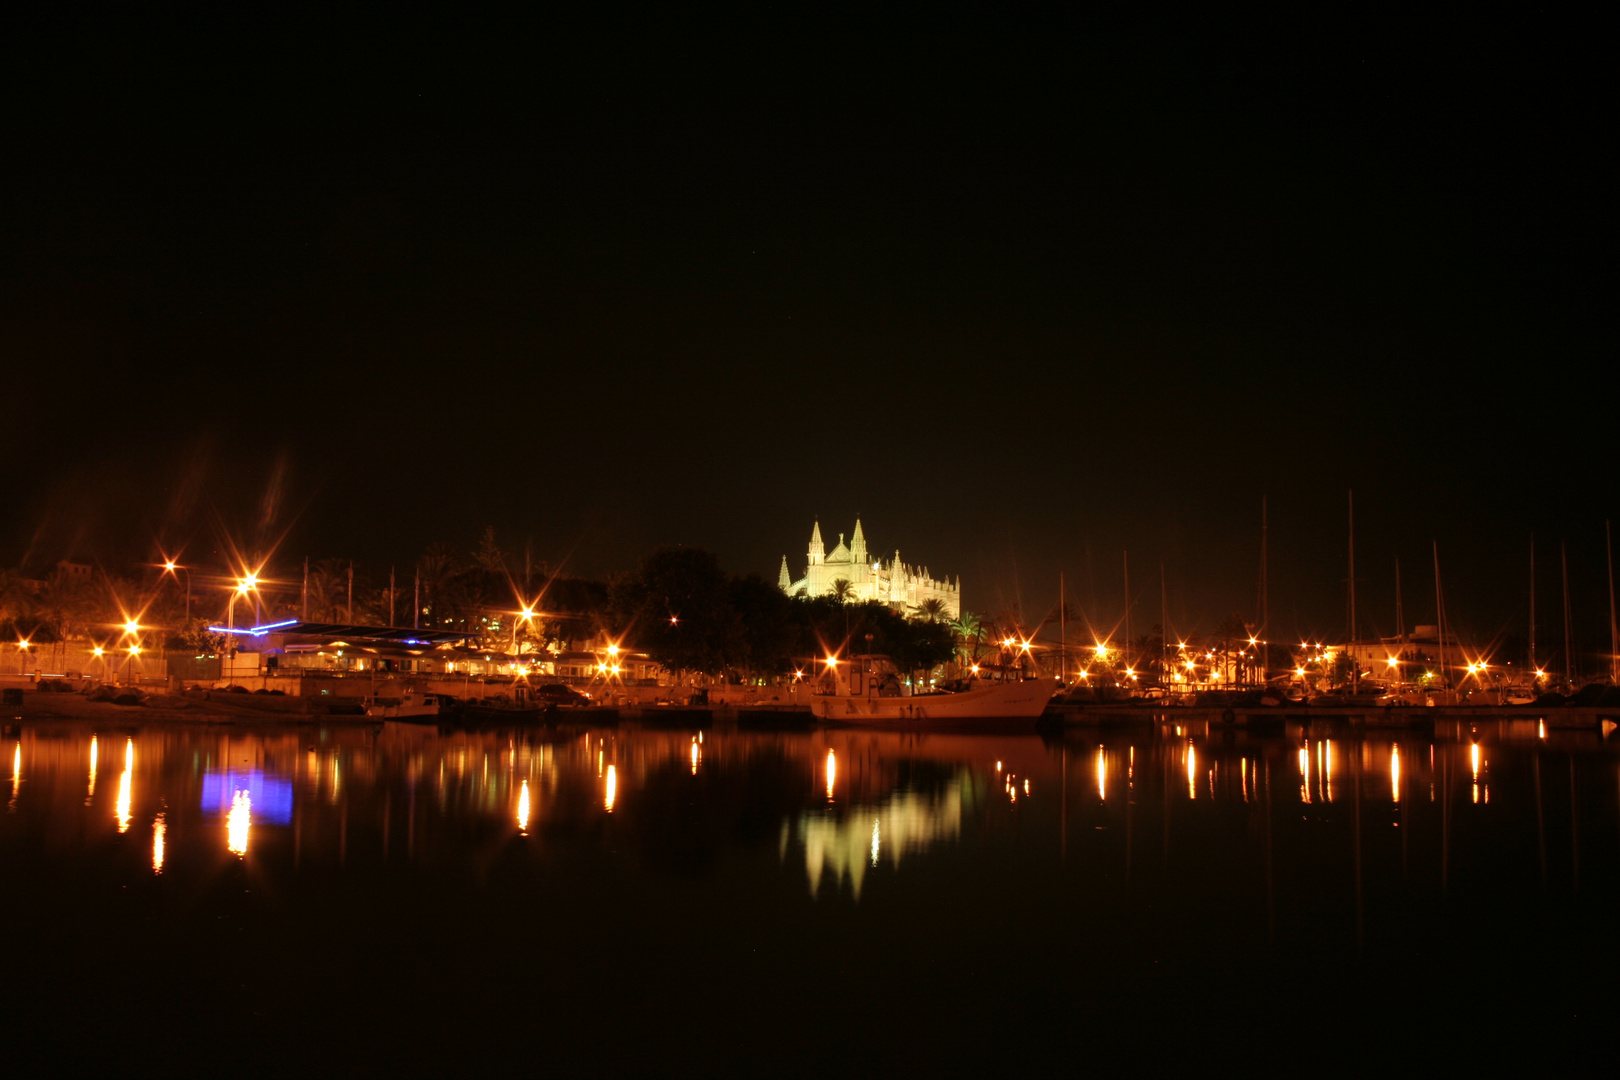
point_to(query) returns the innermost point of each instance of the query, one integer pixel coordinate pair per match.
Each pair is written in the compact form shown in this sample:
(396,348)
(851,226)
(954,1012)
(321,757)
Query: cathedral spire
(818,550)
(783,581)
(857,544)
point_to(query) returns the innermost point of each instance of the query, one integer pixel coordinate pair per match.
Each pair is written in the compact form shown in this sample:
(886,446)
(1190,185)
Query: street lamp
(169,567)
(243,587)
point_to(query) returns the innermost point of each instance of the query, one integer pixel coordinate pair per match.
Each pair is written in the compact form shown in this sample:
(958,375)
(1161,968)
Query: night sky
(1022,296)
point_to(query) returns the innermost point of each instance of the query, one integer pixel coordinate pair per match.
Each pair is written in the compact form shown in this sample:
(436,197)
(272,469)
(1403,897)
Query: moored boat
(868,690)
(410,704)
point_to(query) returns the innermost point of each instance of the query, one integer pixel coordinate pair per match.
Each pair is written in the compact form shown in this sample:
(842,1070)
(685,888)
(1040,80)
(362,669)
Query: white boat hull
(990,701)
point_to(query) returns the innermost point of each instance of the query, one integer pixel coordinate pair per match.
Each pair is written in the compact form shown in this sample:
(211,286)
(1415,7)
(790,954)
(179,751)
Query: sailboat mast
(1569,626)
(1127,556)
(1439,615)
(1063,631)
(1265,601)
(1400,617)
(1164,627)
(1614,635)
(1355,668)
(1532,605)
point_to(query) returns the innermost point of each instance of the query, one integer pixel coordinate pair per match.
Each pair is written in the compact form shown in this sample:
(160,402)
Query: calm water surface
(358,898)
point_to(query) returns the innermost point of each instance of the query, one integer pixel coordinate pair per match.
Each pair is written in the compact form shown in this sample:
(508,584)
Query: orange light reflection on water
(238,822)
(122,809)
(1192,772)
(611,789)
(523,809)
(1305,773)
(159,828)
(1327,769)
(1395,772)
(832,772)
(1102,775)
(91,793)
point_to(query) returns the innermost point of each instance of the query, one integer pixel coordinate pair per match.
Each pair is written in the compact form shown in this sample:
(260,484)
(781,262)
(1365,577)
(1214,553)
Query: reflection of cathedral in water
(847,845)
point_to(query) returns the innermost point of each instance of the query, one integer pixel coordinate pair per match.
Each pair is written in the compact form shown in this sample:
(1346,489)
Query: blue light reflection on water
(272,796)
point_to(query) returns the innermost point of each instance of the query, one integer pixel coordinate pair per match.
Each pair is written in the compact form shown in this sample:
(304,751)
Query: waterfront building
(906,588)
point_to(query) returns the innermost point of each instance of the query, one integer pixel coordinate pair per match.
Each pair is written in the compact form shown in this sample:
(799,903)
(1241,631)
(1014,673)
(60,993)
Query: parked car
(558,694)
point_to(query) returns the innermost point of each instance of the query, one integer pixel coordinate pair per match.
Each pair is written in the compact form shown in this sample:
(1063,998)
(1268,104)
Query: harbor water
(385,897)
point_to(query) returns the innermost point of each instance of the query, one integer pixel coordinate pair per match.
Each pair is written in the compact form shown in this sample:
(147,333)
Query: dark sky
(1021,296)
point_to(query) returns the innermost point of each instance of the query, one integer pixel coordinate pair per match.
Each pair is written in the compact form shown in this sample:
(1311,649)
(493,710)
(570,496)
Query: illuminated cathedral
(905,588)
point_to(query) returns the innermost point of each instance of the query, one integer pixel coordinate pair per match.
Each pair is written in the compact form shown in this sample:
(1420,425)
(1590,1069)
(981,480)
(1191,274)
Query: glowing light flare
(523,809)
(610,788)
(238,822)
(832,772)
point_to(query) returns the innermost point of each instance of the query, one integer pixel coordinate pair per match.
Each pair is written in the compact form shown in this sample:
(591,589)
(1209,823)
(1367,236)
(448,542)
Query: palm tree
(968,631)
(843,591)
(329,591)
(438,568)
(933,609)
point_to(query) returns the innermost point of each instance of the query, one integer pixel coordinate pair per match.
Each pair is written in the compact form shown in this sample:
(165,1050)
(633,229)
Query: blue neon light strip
(255,631)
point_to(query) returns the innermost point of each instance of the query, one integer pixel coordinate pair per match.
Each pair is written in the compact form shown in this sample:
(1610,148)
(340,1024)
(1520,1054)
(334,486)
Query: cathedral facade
(904,588)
